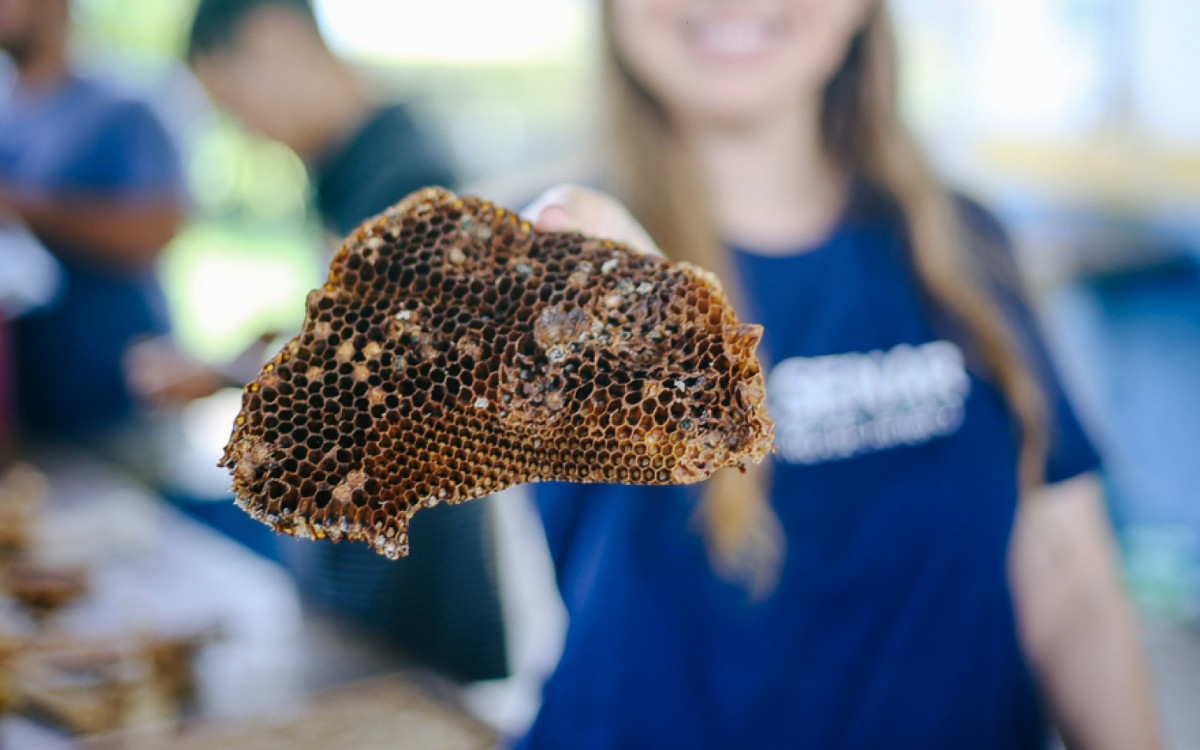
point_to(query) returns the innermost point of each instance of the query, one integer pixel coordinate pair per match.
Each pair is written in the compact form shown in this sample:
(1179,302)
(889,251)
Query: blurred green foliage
(250,253)
(232,282)
(157,27)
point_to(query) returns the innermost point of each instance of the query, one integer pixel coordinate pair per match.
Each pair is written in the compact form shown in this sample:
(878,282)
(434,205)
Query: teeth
(733,38)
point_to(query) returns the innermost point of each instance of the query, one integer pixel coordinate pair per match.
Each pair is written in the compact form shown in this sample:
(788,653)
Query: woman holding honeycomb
(926,561)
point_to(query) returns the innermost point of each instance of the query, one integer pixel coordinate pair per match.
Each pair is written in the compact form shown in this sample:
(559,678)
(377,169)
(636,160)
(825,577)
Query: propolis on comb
(455,351)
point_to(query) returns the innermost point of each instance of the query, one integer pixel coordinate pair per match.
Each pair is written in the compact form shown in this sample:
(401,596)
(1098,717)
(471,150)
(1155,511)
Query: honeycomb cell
(455,351)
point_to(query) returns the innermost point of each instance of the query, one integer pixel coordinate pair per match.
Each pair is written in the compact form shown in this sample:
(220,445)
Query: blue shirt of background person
(92,173)
(84,138)
(892,623)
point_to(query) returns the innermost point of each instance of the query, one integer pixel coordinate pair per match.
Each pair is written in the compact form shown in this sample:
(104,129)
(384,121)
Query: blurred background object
(1076,120)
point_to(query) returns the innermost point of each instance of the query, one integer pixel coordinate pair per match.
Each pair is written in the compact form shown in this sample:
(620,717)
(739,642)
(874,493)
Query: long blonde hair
(863,132)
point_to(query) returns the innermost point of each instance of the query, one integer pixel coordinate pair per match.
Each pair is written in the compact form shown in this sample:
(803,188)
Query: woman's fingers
(555,218)
(566,208)
(566,201)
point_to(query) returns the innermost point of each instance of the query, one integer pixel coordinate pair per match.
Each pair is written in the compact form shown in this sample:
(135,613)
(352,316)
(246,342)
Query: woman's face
(734,61)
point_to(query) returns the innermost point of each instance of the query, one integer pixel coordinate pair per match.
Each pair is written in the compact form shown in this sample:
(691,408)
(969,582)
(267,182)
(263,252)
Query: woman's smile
(733,40)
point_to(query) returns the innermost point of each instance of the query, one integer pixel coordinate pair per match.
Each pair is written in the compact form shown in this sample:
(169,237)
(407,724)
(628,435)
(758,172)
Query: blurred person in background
(926,562)
(92,172)
(266,62)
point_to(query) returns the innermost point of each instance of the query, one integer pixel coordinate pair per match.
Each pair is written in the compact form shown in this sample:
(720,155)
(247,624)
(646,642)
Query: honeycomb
(455,351)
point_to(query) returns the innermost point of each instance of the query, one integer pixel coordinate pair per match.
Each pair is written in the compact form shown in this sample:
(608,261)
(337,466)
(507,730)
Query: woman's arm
(1076,624)
(114,232)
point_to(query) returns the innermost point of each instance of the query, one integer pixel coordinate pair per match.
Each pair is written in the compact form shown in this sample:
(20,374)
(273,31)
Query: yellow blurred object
(22,493)
(1122,174)
(391,713)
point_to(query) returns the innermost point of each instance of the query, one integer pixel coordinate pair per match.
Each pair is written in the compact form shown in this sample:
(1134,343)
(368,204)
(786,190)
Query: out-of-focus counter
(152,572)
(266,673)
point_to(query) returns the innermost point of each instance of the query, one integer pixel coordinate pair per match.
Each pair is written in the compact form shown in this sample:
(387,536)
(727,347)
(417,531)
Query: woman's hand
(574,208)
(1076,624)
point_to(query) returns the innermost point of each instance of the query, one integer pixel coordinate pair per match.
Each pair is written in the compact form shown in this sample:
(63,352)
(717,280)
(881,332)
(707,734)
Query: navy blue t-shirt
(85,138)
(895,481)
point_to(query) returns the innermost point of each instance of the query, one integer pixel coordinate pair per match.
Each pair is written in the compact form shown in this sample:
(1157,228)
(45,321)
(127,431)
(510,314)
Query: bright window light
(453,31)
(1040,67)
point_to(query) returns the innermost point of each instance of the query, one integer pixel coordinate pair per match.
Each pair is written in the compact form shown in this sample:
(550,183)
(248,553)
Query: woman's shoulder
(872,202)
(980,222)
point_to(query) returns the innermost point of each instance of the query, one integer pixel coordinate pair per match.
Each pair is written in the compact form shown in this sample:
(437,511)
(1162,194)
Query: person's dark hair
(217,22)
